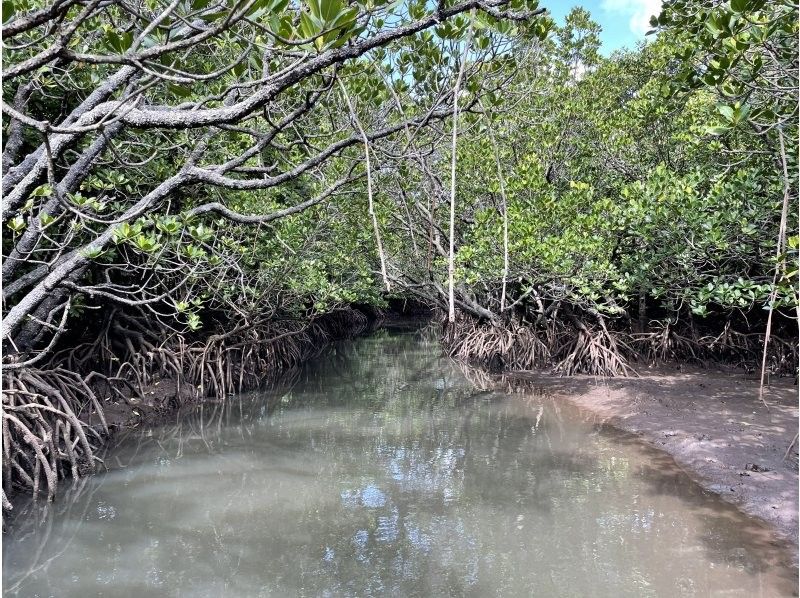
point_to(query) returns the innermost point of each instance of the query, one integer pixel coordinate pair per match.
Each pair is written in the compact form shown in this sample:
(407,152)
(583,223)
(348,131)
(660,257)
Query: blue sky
(624,22)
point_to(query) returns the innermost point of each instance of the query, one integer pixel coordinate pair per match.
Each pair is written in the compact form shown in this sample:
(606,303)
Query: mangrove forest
(223,220)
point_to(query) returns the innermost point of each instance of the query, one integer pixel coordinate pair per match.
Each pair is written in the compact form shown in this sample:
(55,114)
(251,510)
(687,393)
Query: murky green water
(380,470)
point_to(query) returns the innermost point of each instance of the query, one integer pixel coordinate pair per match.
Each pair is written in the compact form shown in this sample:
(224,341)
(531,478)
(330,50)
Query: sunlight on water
(380,469)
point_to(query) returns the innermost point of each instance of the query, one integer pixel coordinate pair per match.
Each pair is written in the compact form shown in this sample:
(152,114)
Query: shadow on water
(383,469)
(728,537)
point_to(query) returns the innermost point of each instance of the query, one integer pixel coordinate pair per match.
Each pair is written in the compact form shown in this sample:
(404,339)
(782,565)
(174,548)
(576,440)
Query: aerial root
(668,341)
(44,440)
(512,346)
(593,350)
(582,341)
(53,420)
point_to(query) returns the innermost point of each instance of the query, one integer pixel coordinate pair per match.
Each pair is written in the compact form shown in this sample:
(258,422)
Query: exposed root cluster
(668,341)
(592,350)
(52,424)
(244,357)
(664,343)
(572,348)
(584,342)
(512,346)
(53,417)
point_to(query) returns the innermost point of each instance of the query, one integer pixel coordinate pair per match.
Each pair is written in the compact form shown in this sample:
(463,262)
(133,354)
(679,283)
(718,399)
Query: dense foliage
(632,193)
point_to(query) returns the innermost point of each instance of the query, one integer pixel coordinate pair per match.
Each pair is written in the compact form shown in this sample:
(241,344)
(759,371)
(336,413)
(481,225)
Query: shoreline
(711,423)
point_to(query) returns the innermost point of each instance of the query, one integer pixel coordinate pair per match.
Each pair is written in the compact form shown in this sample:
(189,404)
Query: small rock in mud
(756,467)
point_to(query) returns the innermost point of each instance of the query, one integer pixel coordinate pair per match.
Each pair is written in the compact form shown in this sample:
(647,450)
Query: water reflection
(381,470)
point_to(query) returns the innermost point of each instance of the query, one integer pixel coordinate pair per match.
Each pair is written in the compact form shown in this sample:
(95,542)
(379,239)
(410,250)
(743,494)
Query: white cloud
(638,11)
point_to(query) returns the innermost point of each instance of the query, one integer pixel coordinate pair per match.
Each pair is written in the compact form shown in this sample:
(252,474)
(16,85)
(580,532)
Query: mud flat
(714,426)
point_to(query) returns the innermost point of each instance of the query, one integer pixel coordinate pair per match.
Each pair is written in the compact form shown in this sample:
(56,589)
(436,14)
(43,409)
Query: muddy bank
(156,401)
(713,425)
(163,397)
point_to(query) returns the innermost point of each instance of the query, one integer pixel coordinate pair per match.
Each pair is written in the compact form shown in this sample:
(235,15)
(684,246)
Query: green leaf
(92,253)
(125,231)
(277,6)
(118,42)
(147,244)
(194,322)
(180,90)
(78,199)
(201,233)
(739,5)
(16,224)
(717,130)
(169,225)
(727,112)
(713,27)
(325,10)
(308,26)
(42,191)
(8,10)
(742,113)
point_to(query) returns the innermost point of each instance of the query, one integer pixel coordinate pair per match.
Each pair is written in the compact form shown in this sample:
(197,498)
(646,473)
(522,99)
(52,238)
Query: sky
(624,22)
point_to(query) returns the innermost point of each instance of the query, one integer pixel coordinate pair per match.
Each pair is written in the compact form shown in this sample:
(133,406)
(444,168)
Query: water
(378,470)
